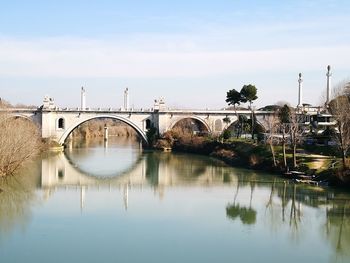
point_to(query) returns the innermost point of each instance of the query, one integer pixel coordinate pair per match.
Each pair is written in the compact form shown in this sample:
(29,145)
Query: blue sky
(189,52)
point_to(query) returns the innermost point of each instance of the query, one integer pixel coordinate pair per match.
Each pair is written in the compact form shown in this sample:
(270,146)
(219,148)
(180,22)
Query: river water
(117,203)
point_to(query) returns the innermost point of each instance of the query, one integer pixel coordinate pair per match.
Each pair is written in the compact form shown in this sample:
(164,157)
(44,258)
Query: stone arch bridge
(57,123)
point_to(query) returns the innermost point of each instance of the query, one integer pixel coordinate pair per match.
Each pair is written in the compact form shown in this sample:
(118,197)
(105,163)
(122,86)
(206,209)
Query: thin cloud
(90,58)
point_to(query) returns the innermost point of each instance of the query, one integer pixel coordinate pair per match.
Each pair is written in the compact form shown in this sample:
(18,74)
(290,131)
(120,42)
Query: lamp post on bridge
(126,99)
(83,99)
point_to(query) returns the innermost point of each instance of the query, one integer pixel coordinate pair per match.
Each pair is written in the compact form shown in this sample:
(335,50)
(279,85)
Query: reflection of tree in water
(273,213)
(17,193)
(337,227)
(291,199)
(188,167)
(283,204)
(247,215)
(152,168)
(295,213)
(182,165)
(292,196)
(227,177)
(252,184)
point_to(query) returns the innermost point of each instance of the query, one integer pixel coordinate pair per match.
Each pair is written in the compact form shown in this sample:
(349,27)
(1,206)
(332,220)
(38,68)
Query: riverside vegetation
(19,142)
(264,150)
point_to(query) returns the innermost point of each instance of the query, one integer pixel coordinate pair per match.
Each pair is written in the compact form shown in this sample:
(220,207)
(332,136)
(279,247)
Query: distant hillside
(237,108)
(6,104)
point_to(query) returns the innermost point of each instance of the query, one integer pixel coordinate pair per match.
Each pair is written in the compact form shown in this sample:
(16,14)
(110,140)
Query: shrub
(226,134)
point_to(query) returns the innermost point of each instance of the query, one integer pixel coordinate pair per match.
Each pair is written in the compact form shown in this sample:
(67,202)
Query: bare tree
(284,120)
(272,122)
(340,108)
(290,125)
(19,142)
(295,131)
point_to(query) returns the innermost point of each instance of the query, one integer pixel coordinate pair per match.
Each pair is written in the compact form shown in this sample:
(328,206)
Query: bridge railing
(167,110)
(102,109)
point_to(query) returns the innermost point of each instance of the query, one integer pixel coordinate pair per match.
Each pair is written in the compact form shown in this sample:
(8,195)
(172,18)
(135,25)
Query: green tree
(248,94)
(284,114)
(233,97)
(226,134)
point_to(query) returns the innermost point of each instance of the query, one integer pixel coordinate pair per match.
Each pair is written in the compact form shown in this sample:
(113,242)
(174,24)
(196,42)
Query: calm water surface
(117,203)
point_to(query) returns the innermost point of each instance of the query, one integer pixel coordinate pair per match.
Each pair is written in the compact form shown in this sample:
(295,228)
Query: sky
(188,52)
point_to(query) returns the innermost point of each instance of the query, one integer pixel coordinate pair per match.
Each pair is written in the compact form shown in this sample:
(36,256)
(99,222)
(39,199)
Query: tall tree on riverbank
(295,132)
(340,108)
(233,97)
(289,125)
(248,94)
(272,123)
(284,120)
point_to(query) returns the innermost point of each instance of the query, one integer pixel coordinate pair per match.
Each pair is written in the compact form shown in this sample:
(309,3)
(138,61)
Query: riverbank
(252,155)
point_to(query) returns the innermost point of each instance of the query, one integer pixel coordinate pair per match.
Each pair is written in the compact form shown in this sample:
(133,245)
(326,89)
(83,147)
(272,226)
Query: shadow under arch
(198,120)
(138,130)
(242,125)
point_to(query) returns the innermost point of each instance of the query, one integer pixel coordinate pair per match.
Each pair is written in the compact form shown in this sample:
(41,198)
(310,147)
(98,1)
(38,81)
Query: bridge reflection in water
(151,169)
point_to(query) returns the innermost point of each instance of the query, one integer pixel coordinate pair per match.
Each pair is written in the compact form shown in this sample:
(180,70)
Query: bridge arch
(20,116)
(28,119)
(200,120)
(69,130)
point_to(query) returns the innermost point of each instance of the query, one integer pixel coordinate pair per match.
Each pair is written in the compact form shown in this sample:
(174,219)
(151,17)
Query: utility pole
(300,95)
(329,75)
